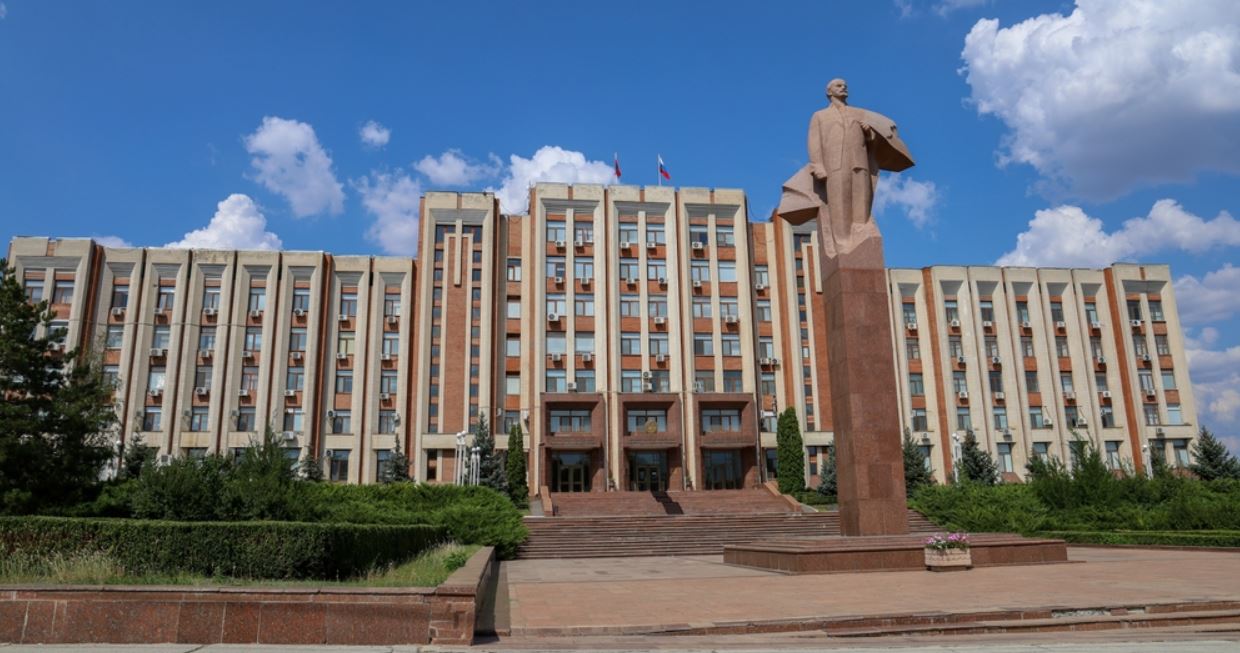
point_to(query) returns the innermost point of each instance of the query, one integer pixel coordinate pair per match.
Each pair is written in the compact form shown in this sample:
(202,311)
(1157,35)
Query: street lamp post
(957,454)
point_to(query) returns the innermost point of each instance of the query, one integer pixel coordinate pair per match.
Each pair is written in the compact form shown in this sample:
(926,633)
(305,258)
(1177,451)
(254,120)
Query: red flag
(615,160)
(663,170)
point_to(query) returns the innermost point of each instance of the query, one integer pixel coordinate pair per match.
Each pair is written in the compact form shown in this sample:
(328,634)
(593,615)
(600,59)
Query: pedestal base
(827,555)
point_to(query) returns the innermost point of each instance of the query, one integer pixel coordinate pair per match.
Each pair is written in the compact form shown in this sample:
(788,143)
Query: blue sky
(1113,122)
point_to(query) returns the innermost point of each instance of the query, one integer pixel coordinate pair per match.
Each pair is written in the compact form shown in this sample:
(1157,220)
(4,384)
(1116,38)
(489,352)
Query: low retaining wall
(249,615)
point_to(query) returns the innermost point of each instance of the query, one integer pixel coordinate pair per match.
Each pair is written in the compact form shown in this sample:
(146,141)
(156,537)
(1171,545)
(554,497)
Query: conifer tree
(518,488)
(976,465)
(490,467)
(1212,458)
(397,468)
(790,454)
(135,457)
(915,472)
(828,484)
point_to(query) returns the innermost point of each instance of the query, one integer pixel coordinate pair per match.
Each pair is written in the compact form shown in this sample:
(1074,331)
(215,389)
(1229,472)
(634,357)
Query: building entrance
(570,472)
(723,469)
(648,471)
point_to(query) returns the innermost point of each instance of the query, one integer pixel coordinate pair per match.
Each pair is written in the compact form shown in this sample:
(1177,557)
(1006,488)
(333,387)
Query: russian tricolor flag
(615,161)
(663,169)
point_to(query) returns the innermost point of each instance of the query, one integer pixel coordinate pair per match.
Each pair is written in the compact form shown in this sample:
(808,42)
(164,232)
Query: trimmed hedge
(268,550)
(1150,538)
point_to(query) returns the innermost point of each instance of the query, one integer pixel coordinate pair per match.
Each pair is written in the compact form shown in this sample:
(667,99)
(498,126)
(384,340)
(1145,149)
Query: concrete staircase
(715,502)
(672,535)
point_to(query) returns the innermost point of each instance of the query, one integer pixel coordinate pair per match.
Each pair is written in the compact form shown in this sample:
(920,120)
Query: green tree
(56,409)
(976,465)
(1212,458)
(490,467)
(310,468)
(135,457)
(915,472)
(396,470)
(828,483)
(790,454)
(518,488)
(258,486)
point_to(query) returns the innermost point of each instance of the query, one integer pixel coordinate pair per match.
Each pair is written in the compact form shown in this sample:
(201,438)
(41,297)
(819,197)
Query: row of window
(161,338)
(986,311)
(656,233)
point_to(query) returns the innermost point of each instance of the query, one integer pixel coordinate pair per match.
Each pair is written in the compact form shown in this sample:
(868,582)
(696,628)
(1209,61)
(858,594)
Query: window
(512,346)
(655,234)
(987,310)
(733,381)
(583,343)
(34,290)
(513,269)
(951,312)
(513,311)
(766,384)
(111,375)
(1180,448)
(1026,346)
(959,384)
(1095,347)
(628,232)
(704,381)
(727,271)
(1100,380)
(161,337)
(996,381)
(916,386)
(1175,416)
(919,419)
(585,381)
(294,379)
(1065,382)
(1151,414)
(1005,457)
(1031,381)
(249,379)
(1108,416)
(630,306)
(716,420)
(1162,346)
(1042,450)
(1022,312)
(700,271)
(629,269)
(761,276)
(1156,311)
(657,306)
(387,421)
(584,305)
(297,339)
(766,347)
(964,420)
(199,419)
(556,343)
(556,267)
(62,291)
(388,381)
(257,300)
(556,381)
(630,381)
(115,337)
(556,231)
(583,231)
(1037,418)
(1112,454)
(1073,415)
(338,466)
(955,347)
(630,343)
(725,236)
(155,379)
(511,418)
(762,308)
(703,344)
(1168,380)
(348,303)
(1134,309)
(992,346)
(344,381)
(1146,379)
(301,299)
(1061,347)
(391,344)
(294,420)
(699,233)
(1057,312)
(570,421)
(1139,348)
(391,304)
(701,307)
(1000,418)
(246,418)
(120,296)
(639,420)
(912,350)
(658,344)
(583,268)
(1091,313)
(909,310)
(152,418)
(730,344)
(661,380)
(344,343)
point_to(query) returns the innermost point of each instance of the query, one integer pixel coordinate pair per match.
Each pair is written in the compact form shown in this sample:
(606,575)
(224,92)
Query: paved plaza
(621,596)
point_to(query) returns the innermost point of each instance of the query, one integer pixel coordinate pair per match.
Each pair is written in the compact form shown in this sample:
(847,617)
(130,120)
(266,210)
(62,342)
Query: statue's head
(837,88)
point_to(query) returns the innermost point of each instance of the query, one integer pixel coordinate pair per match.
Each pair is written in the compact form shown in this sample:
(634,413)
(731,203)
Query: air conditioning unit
(163,460)
(1080,421)
(660,358)
(553,317)
(731,319)
(1025,324)
(994,360)
(342,318)
(244,392)
(659,320)
(648,387)
(759,287)
(571,386)
(559,244)
(248,353)
(157,352)
(205,353)
(118,312)
(698,386)
(209,312)
(1106,394)
(650,244)
(766,361)
(579,243)
(911,326)
(1135,323)
(340,355)
(295,355)
(1100,359)
(555,358)
(960,360)
(1048,424)
(587,357)
(624,244)
(155,392)
(1095,325)
(647,374)
(1145,357)
(697,284)
(1061,324)
(299,312)
(290,393)
(955,324)
(986,324)
(999,396)
(558,280)
(662,281)
(385,396)
(393,319)
(256,313)
(585,282)
(698,245)
(200,391)
(963,394)
(1150,392)
(290,436)
(1068,394)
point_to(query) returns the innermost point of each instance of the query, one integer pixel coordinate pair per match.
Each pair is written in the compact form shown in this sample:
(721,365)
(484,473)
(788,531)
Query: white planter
(949,560)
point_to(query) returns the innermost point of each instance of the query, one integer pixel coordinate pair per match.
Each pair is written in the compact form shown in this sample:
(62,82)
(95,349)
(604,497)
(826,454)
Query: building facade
(641,338)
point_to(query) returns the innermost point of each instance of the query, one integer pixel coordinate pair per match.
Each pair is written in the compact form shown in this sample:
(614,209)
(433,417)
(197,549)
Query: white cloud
(237,224)
(1118,94)
(452,168)
(288,160)
(916,198)
(4,11)
(550,163)
(374,135)
(1065,236)
(945,7)
(1214,297)
(113,241)
(393,198)
(1216,387)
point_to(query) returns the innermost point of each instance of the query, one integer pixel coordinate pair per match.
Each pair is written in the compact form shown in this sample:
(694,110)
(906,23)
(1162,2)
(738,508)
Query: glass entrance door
(648,471)
(570,472)
(723,469)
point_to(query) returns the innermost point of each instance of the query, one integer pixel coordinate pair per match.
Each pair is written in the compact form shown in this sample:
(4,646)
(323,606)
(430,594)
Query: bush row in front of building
(252,550)
(1150,538)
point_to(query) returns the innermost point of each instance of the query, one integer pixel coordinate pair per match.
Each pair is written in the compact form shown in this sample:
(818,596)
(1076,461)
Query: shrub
(1212,458)
(275,550)
(980,508)
(976,465)
(518,487)
(183,490)
(790,454)
(1150,538)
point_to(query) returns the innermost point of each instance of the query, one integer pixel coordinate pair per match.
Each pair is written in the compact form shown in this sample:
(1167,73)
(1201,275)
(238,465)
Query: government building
(641,338)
